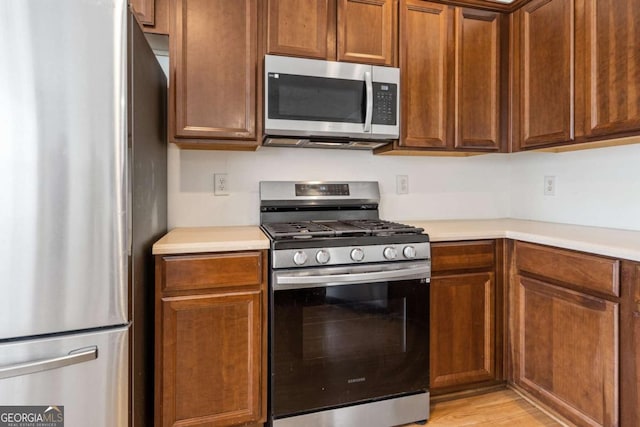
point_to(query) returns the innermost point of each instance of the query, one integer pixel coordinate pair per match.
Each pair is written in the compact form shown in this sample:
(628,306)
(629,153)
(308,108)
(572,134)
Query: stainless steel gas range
(349,308)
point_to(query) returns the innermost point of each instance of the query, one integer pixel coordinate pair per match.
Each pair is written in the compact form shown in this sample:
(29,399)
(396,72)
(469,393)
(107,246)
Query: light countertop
(211,239)
(623,244)
(616,243)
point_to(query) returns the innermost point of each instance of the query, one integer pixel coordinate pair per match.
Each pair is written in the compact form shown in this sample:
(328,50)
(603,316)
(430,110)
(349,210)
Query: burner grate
(382,227)
(308,229)
(298,229)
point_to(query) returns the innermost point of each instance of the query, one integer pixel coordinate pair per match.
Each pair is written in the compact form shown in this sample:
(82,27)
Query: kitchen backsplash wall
(439,187)
(599,187)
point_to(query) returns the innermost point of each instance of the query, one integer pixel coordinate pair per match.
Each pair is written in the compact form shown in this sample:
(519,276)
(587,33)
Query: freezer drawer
(90,383)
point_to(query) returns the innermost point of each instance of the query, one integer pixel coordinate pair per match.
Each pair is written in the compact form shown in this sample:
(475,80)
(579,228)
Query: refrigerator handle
(73,357)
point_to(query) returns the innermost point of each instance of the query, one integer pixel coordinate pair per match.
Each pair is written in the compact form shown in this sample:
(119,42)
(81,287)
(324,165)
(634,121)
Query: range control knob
(299,258)
(323,257)
(390,253)
(409,252)
(357,254)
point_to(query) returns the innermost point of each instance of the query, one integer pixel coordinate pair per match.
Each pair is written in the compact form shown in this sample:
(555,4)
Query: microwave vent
(333,143)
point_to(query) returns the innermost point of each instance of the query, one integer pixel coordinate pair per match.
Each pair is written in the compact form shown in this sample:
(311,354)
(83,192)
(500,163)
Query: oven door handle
(296,281)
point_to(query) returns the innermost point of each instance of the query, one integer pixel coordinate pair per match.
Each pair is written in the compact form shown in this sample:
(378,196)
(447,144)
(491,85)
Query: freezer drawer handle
(73,357)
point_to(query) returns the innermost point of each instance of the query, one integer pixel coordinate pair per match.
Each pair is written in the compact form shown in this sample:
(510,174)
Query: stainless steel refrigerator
(82,199)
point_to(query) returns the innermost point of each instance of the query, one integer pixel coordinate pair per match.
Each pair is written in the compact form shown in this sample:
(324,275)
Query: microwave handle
(369,100)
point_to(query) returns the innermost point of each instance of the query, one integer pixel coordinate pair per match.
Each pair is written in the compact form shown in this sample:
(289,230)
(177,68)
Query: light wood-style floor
(500,408)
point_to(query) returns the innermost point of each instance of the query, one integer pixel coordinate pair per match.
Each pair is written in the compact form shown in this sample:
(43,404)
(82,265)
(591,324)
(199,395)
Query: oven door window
(294,97)
(337,345)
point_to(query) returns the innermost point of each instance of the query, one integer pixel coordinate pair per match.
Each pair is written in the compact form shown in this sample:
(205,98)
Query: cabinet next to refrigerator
(83,178)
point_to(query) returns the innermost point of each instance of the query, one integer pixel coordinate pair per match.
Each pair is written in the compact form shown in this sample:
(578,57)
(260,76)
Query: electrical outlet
(220,184)
(402,184)
(549,185)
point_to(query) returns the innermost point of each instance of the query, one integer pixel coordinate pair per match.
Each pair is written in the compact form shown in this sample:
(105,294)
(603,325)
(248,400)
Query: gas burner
(301,229)
(380,227)
(333,228)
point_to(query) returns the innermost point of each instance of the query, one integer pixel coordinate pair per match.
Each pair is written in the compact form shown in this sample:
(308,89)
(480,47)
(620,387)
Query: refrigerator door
(63,156)
(84,376)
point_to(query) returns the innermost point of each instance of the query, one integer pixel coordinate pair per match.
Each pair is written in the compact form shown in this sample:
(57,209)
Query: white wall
(439,187)
(599,187)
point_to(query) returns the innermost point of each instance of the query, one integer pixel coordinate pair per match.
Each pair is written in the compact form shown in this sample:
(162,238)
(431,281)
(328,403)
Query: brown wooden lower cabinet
(462,335)
(565,336)
(566,352)
(465,338)
(210,341)
(630,344)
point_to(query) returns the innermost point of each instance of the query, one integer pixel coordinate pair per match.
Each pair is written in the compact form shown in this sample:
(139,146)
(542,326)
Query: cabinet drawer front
(590,272)
(193,272)
(456,256)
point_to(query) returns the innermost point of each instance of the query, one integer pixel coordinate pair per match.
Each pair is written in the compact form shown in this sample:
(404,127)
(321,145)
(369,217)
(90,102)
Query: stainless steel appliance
(349,308)
(83,177)
(325,104)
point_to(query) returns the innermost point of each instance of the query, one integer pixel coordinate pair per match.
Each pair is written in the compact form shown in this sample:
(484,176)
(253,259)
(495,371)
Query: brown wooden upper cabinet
(544,72)
(361,31)
(576,72)
(145,11)
(153,15)
(215,82)
(450,65)
(610,40)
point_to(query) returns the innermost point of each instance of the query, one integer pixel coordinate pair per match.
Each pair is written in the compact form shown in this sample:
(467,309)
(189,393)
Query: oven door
(341,335)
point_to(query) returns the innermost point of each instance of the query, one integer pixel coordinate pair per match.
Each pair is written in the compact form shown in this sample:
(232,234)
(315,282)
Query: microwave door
(317,98)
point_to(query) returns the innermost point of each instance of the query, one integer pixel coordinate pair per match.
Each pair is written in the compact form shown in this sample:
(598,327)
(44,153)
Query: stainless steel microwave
(330,104)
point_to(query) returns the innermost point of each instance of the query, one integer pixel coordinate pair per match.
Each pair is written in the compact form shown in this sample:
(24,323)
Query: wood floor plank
(501,408)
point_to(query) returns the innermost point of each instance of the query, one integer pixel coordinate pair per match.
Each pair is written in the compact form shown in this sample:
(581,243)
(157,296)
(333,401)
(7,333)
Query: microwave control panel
(385,101)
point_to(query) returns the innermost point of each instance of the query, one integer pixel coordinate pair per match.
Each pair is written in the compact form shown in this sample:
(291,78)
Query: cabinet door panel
(213,77)
(145,11)
(566,351)
(612,49)
(366,31)
(424,70)
(304,29)
(462,329)
(211,363)
(160,24)
(630,345)
(547,72)
(477,44)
